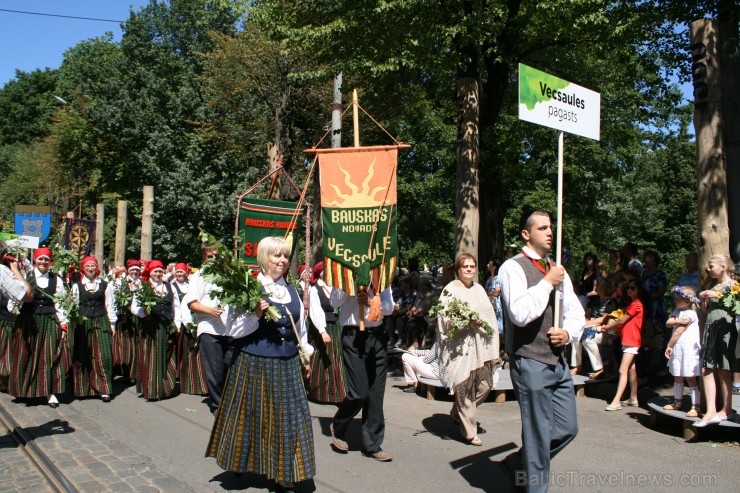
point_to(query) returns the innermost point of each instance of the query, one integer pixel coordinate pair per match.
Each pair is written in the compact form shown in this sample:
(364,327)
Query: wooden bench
(655,405)
(429,386)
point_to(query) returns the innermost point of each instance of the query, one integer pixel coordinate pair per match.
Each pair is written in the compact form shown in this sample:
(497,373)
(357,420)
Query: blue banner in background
(33,220)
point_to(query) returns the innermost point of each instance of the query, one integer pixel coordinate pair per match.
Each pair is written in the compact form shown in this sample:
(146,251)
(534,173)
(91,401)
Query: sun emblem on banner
(362,195)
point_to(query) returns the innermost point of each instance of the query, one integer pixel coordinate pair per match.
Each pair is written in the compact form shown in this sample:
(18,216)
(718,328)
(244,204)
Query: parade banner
(79,235)
(359,214)
(556,103)
(33,220)
(259,218)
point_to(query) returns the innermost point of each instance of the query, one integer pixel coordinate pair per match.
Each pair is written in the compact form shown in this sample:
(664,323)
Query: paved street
(133,445)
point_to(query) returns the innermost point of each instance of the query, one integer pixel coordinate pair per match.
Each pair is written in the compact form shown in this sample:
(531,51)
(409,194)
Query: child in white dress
(684,348)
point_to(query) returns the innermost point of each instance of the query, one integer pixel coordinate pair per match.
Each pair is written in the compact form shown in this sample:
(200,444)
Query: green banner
(355,235)
(259,218)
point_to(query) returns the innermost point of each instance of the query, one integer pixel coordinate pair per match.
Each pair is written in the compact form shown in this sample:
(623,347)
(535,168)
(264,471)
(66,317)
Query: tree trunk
(710,157)
(467,201)
(729,62)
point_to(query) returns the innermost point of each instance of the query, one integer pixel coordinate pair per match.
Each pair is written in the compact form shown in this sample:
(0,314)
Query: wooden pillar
(711,167)
(120,253)
(99,235)
(146,223)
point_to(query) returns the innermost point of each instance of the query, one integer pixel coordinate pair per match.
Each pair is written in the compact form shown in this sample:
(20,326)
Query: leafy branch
(458,314)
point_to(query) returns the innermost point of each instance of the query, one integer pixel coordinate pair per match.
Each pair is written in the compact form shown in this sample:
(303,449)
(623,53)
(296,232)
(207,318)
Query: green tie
(545,264)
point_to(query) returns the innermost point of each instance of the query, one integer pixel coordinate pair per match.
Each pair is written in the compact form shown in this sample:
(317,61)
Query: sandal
(475,441)
(676,406)
(596,374)
(694,413)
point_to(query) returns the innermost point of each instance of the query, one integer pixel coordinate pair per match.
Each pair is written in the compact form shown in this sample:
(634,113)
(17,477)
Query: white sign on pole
(547,100)
(23,241)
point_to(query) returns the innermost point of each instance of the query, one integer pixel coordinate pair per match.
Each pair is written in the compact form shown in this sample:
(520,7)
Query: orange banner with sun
(359,214)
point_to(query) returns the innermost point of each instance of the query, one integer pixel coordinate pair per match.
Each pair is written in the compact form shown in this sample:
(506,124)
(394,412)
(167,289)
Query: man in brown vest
(535,343)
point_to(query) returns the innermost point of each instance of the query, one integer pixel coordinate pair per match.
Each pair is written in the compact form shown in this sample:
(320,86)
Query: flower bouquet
(458,314)
(729,296)
(235,282)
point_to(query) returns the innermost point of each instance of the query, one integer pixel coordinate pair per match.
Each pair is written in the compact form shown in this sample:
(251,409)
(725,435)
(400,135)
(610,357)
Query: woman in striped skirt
(190,360)
(8,315)
(127,326)
(157,371)
(327,368)
(39,358)
(92,356)
(263,425)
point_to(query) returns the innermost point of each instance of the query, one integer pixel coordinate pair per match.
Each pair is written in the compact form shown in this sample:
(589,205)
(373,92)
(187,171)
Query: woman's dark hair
(594,258)
(655,254)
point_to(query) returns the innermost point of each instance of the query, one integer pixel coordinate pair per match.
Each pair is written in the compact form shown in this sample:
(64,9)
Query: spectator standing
(691,277)
(718,343)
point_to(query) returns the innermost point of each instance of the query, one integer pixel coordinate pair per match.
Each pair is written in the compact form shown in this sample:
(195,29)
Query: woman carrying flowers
(92,357)
(263,425)
(127,326)
(40,359)
(154,304)
(468,345)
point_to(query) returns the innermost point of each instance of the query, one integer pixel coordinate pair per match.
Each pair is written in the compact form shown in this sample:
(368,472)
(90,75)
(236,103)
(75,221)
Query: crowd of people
(158,326)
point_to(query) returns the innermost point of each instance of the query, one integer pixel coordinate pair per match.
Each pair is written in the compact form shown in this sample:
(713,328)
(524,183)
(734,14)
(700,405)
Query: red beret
(318,268)
(301,268)
(154,265)
(87,260)
(42,252)
(181,266)
(132,263)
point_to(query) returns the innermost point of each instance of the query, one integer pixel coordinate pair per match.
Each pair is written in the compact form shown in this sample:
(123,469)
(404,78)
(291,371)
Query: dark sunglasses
(631,288)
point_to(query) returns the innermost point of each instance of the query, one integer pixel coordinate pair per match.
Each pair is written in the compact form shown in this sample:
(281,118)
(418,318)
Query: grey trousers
(549,422)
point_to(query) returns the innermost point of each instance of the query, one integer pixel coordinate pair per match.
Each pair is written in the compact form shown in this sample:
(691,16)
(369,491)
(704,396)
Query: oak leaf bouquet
(66,302)
(459,315)
(146,297)
(236,284)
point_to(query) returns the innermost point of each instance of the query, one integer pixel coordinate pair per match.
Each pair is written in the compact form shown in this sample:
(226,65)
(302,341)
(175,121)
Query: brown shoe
(379,456)
(337,443)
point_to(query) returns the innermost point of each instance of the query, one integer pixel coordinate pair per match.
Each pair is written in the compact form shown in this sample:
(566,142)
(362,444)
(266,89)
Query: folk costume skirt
(92,358)
(156,369)
(40,358)
(124,345)
(263,424)
(191,369)
(7,329)
(327,367)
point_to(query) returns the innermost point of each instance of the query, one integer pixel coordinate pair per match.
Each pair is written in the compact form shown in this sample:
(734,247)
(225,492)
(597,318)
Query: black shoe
(411,389)
(481,430)
(53,405)
(105,398)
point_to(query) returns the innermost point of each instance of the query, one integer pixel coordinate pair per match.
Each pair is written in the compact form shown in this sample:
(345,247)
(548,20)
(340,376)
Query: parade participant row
(76,337)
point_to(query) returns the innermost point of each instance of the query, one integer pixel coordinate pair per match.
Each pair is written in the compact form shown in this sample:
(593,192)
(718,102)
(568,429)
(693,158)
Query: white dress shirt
(349,308)
(525,305)
(161,289)
(315,311)
(231,323)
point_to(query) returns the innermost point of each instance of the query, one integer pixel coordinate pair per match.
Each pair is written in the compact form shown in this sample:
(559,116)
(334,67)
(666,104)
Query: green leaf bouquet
(238,287)
(459,315)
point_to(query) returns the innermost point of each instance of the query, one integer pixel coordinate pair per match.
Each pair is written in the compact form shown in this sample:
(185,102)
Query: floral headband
(684,295)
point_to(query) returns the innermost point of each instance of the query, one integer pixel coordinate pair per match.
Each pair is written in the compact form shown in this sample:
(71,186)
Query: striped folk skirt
(7,329)
(92,358)
(155,361)
(124,345)
(39,359)
(263,425)
(192,372)
(327,368)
